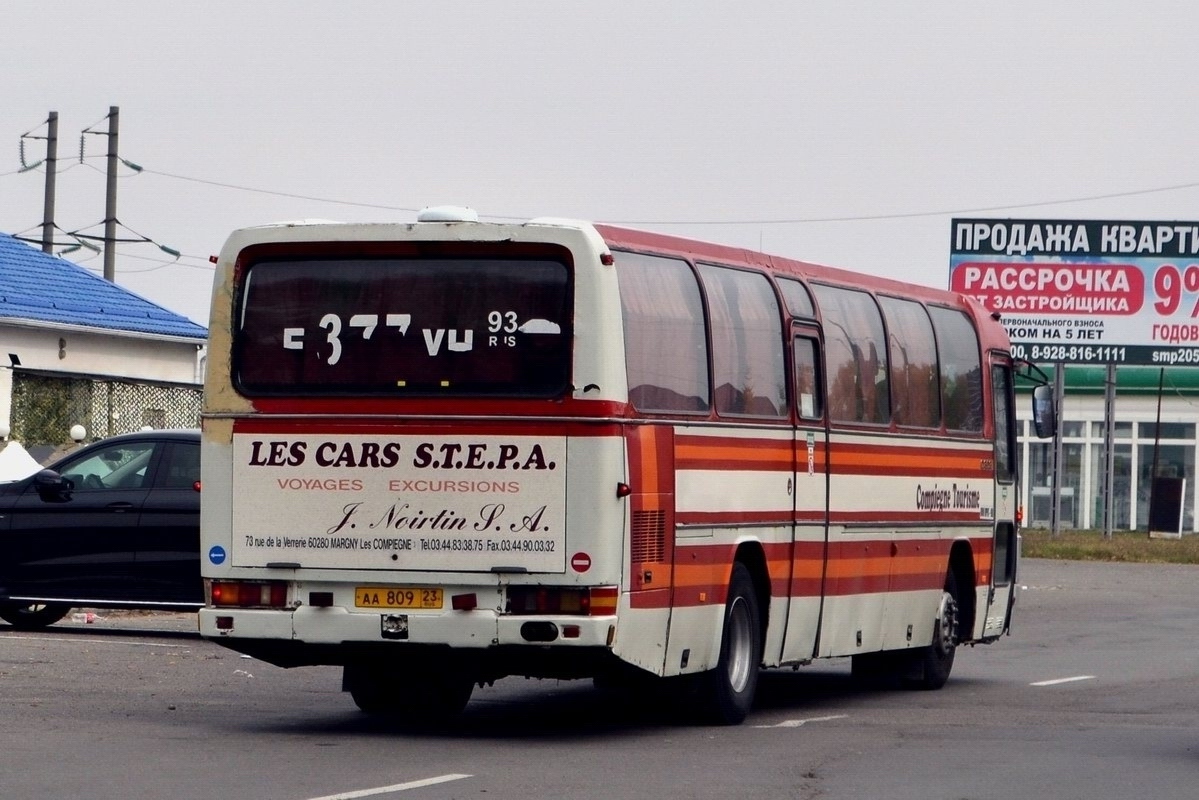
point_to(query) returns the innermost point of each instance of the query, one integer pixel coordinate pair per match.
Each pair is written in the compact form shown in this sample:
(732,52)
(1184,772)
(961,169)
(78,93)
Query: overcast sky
(836,132)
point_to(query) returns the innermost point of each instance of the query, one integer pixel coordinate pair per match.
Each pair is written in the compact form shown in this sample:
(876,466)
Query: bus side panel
(855,593)
(805,595)
(216,478)
(649,548)
(889,556)
(704,565)
(734,494)
(919,561)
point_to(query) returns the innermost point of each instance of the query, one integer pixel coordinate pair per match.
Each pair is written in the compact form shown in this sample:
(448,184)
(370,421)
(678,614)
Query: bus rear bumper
(500,644)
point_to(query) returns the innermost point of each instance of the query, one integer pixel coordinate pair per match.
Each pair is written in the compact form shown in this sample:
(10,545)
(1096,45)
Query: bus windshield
(448,327)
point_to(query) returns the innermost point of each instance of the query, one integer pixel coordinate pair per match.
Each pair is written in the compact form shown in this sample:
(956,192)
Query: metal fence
(45,407)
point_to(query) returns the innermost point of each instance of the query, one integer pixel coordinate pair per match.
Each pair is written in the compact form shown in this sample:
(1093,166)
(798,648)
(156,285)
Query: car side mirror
(52,487)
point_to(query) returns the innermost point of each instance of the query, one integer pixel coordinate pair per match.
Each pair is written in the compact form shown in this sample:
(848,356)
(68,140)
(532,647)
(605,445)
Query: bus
(440,453)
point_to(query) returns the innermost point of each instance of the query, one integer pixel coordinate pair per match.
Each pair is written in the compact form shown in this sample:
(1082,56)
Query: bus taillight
(595,601)
(248,594)
(603,600)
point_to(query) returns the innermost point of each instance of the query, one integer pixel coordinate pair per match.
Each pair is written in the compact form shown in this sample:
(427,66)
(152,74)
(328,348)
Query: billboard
(1085,291)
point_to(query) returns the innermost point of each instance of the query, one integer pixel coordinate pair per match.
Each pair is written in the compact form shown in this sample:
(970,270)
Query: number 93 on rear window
(390,597)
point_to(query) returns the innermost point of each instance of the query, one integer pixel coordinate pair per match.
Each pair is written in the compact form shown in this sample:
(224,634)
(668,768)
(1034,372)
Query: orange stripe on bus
(728,456)
(852,568)
(647,479)
(908,463)
(724,453)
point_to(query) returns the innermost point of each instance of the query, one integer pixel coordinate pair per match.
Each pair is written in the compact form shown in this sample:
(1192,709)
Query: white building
(77,349)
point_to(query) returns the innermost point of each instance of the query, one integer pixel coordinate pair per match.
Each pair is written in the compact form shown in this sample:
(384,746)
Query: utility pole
(51,173)
(1059,396)
(1109,450)
(110,204)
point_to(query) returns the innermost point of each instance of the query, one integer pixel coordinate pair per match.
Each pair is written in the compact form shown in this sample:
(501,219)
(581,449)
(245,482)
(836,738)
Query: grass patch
(1128,546)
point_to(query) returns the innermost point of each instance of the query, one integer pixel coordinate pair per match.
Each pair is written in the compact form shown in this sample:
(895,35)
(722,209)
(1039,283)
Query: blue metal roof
(44,288)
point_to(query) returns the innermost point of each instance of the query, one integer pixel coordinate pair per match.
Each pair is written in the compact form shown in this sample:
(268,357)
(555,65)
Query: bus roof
(634,239)
(646,241)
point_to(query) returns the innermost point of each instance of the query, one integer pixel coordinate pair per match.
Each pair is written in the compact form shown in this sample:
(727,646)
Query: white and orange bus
(445,452)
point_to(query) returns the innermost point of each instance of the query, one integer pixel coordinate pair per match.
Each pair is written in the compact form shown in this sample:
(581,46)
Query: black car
(115,524)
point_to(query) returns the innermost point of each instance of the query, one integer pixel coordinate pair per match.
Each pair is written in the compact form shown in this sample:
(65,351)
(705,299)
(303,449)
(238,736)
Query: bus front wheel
(936,660)
(727,692)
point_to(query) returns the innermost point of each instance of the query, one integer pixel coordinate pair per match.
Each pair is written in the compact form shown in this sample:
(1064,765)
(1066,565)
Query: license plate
(389,597)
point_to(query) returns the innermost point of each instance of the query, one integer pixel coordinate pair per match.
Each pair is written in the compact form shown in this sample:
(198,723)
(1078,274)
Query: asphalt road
(1093,696)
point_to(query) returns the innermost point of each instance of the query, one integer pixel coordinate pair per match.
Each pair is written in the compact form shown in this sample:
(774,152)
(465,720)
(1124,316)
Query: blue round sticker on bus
(217,554)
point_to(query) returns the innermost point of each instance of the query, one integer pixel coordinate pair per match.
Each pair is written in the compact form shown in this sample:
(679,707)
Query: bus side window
(808,401)
(855,356)
(961,370)
(748,362)
(666,351)
(915,384)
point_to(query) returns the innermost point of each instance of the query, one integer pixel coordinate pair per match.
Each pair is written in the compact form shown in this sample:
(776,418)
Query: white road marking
(1056,681)
(795,723)
(74,640)
(399,787)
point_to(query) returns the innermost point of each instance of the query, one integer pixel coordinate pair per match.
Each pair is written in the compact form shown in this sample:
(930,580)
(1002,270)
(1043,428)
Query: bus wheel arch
(753,557)
(953,621)
(726,693)
(961,566)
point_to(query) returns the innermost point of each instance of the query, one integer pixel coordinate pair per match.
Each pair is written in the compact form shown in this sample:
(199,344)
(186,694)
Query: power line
(277,194)
(758,221)
(765,221)
(136,170)
(179,262)
(911,214)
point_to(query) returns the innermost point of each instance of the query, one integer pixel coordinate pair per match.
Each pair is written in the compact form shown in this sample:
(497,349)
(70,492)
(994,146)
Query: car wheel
(32,616)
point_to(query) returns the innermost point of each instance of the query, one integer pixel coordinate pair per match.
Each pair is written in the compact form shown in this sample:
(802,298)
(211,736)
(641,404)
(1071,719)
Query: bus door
(1001,594)
(809,537)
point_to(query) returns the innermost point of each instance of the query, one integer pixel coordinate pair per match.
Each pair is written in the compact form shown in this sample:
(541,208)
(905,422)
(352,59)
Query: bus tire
(727,692)
(426,697)
(936,660)
(32,616)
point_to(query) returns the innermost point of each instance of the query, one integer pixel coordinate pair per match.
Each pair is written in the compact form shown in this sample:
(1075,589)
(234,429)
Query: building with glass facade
(1143,447)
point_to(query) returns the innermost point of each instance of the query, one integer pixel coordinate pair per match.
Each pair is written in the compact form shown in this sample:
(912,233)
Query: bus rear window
(404,327)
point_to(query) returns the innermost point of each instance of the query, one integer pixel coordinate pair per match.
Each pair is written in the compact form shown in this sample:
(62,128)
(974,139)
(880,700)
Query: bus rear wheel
(426,697)
(727,692)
